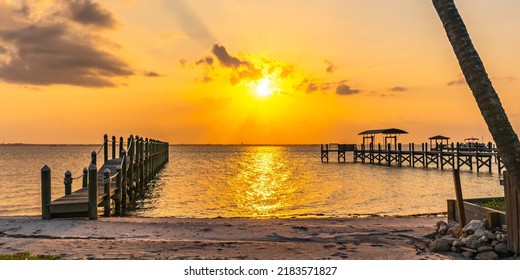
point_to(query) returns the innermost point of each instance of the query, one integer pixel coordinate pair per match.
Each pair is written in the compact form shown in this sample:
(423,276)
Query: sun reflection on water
(260,186)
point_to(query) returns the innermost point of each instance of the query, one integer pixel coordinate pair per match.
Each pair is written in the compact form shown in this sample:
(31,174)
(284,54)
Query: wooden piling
(118,190)
(85,178)
(124,179)
(130,172)
(114,147)
(458,194)
(92,192)
(105,148)
(512,198)
(141,167)
(46,192)
(106,187)
(93,158)
(121,147)
(68,182)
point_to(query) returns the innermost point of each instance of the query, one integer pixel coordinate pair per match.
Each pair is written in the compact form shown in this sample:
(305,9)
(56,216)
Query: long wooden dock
(453,156)
(121,179)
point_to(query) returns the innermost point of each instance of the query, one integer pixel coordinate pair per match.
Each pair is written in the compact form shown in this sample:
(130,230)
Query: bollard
(92,192)
(85,178)
(106,185)
(118,190)
(46,192)
(68,182)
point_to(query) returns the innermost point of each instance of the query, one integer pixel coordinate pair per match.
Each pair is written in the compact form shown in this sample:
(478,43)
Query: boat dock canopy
(439,137)
(383,131)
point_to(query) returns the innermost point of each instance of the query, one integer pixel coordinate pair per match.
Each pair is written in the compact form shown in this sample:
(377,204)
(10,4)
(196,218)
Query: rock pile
(472,241)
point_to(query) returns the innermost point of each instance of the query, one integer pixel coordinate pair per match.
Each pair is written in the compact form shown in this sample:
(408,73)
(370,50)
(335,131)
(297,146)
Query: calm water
(248,181)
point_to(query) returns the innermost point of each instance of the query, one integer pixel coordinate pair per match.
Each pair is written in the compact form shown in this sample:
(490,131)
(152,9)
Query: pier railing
(454,155)
(121,179)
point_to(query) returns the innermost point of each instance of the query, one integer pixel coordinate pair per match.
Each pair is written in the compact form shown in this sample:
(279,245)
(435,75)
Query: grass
(496,203)
(27,256)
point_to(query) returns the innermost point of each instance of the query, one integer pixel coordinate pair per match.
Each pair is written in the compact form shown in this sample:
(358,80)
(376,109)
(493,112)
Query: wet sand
(372,238)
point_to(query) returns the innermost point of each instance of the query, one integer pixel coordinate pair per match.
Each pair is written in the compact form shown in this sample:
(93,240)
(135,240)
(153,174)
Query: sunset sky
(251,71)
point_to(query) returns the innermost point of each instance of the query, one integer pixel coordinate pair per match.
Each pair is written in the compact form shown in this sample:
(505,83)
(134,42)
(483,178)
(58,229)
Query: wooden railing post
(118,190)
(141,166)
(124,182)
(46,192)
(121,147)
(130,172)
(106,187)
(137,163)
(92,192)
(114,147)
(67,181)
(147,162)
(93,158)
(105,148)
(85,178)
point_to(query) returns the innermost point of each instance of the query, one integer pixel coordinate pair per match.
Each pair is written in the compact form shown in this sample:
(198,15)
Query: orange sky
(189,71)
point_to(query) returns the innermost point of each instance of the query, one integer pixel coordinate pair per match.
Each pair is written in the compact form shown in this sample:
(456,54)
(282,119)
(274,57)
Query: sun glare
(264,88)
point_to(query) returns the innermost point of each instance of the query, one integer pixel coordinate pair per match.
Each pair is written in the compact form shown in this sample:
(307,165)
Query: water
(248,181)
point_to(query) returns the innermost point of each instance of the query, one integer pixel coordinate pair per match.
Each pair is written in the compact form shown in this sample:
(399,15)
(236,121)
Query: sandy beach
(372,238)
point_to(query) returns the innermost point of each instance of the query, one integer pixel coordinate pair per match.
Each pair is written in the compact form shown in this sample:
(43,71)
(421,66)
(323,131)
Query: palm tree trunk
(483,91)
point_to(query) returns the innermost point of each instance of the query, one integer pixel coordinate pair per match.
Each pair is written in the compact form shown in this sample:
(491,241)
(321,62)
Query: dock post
(121,147)
(130,172)
(388,158)
(106,187)
(68,182)
(118,190)
(147,161)
(142,183)
(114,147)
(105,148)
(93,158)
(85,178)
(399,155)
(136,165)
(46,192)
(92,192)
(412,154)
(123,183)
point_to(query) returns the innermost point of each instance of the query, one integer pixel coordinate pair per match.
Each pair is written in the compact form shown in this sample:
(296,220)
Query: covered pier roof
(439,137)
(383,131)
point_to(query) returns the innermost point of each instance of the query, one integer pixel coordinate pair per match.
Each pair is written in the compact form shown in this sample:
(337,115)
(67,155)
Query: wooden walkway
(453,157)
(120,180)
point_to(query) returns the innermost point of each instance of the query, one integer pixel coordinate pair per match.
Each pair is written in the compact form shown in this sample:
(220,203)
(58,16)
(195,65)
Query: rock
(501,248)
(475,226)
(439,245)
(465,249)
(457,243)
(456,230)
(489,235)
(490,255)
(468,255)
(501,237)
(443,229)
(494,243)
(439,224)
(471,241)
(483,239)
(485,248)
(455,249)
(504,228)
(449,237)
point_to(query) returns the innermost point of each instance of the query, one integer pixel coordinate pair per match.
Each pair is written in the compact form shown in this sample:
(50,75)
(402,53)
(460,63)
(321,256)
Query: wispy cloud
(89,13)
(398,89)
(331,68)
(345,89)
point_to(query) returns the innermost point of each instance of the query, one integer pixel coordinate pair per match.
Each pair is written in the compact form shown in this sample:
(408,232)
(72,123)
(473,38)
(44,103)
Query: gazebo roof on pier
(439,137)
(384,131)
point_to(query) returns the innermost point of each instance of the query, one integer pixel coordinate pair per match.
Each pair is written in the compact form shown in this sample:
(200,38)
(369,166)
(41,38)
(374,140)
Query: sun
(264,87)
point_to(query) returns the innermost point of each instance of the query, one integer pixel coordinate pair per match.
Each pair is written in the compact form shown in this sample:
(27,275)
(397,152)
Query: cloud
(206,60)
(398,89)
(93,14)
(344,89)
(152,74)
(459,81)
(224,58)
(311,87)
(43,47)
(331,68)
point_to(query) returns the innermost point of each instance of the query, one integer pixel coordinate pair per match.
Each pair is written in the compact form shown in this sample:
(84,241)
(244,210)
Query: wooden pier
(453,156)
(121,179)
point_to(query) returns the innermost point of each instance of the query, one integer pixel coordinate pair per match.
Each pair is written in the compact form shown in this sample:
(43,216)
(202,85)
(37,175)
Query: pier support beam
(46,192)
(92,192)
